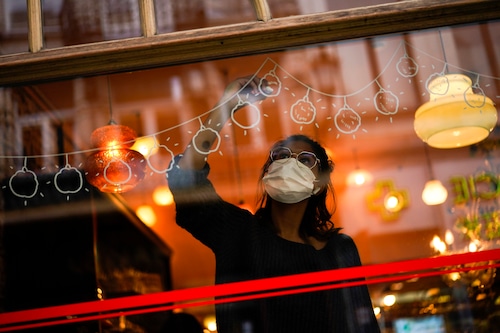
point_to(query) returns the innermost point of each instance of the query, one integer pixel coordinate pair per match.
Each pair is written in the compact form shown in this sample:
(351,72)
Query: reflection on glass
(71,22)
(13,27)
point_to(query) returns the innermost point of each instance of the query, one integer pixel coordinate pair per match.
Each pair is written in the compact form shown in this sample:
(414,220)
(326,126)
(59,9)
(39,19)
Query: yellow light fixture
(146,145)
(146,214)
(434,192)
(358,176)
(387,200)
(455,116)
(394,201)
(210,323)
(389,300)
(162,196)
(114,167)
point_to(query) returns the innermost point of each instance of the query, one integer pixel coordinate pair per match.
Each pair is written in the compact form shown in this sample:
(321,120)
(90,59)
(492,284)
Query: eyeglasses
(305,157)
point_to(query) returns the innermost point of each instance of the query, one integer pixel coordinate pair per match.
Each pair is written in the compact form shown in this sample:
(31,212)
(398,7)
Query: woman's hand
(245,89)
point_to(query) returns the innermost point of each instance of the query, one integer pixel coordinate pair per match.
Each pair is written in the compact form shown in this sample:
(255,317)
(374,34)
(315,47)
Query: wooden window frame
(261,36)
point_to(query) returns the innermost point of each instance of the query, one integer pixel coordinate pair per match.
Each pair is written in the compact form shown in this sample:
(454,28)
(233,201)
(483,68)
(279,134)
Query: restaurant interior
(410,120)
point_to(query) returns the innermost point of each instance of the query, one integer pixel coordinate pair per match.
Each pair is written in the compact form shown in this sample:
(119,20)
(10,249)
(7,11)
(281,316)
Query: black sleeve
(356,299)
(201,211)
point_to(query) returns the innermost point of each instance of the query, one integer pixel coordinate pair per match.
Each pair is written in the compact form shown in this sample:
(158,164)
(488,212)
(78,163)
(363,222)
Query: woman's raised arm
(194,156)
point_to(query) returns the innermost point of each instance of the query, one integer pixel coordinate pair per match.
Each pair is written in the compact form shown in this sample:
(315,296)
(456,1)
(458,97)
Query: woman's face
(298,147)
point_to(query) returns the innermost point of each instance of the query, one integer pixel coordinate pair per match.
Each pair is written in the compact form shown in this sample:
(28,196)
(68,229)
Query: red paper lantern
(115,167)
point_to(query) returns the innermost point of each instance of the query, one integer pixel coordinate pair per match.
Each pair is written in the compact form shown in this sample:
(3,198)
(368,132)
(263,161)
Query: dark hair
(316,221)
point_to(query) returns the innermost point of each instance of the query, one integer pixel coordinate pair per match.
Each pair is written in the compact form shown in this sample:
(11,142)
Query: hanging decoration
(17,183)
(303,111)
(406,66)
(455,115)
(358,177)
(434,192)
(347,120)
(273,82)
(73,187)
(115,167)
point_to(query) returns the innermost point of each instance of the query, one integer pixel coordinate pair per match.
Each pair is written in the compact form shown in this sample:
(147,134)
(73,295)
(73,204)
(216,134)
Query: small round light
(394,201)
(359,177)
(434,193)
(146,214)
(146,145)
(389,300)
(162,196)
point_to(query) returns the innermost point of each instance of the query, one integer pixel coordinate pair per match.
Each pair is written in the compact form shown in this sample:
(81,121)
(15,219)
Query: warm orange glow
(389,300)
(146,145)
(210,323)
(359,177)
(246,206)
(116,168)
(146,214)
(434,193)
(455,116)
(113,135)
(162,196)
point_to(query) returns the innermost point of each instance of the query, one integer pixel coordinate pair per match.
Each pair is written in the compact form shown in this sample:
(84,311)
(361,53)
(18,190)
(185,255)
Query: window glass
(13,27)
(283,8)
(194,14)
(71,22)
(357,98)
(95,21)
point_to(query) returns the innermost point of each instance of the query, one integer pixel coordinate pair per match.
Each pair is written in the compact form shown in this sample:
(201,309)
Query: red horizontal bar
(239,291)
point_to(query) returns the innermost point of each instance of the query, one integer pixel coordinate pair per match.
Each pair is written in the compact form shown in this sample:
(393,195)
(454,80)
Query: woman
(291,233)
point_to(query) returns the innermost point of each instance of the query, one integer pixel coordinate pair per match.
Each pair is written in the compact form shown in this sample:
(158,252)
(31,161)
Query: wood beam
(262,10)
(35,27)
(147,15)
(240,39)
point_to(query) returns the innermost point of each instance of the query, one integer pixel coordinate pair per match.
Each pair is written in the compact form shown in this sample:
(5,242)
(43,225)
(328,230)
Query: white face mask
(289,181)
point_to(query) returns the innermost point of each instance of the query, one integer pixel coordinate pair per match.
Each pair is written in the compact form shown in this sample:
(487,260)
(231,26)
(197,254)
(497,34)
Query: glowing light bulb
(389,300)
(162,196)
(114,167)
(457,114)
(472,247)
(434,193)
(448,237)
(359,177)
(146,145)
(146,214)
(210,323)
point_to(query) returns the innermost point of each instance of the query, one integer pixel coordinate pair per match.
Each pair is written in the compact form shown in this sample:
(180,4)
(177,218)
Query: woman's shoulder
(345,249)
(340,238)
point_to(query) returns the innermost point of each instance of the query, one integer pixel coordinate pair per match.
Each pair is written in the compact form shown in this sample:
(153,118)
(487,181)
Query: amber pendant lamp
(114,167)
